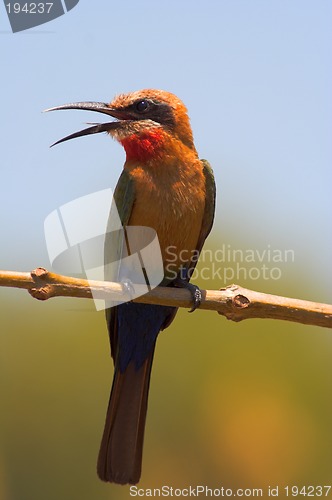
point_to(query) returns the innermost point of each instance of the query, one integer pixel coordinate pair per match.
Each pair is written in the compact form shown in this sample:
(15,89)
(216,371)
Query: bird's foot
(195,291)
(128,287)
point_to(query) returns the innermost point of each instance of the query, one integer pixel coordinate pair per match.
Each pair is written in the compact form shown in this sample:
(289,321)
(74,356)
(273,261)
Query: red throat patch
(143,146)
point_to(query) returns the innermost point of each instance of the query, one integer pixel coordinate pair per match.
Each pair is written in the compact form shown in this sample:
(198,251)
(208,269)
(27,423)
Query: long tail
(120,455)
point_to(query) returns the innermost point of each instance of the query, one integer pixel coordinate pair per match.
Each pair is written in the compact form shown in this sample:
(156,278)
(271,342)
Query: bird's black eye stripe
(151,109)
(142,105)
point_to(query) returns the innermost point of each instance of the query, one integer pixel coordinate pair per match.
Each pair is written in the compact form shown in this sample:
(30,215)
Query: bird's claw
(128,287)
(194,290)
(196,295)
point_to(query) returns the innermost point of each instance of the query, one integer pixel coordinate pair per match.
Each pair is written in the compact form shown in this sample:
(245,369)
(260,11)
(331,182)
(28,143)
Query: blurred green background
(233,405)
(238,405)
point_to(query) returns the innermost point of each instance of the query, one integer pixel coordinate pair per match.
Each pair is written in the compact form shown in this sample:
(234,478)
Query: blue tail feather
(138,327)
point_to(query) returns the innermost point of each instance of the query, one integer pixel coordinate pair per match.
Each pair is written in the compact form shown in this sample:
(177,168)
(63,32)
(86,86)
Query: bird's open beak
(100,107)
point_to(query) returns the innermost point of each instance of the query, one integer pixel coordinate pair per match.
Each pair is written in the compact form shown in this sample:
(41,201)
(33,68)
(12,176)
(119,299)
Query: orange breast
(170,199)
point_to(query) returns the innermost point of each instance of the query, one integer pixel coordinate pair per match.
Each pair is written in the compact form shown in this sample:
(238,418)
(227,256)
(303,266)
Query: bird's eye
(142,106)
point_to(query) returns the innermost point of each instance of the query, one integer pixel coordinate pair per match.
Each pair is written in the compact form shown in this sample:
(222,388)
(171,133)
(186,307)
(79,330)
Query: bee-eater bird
(164,186)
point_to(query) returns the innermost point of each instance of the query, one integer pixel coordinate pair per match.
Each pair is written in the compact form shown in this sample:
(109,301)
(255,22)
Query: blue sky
(256,77)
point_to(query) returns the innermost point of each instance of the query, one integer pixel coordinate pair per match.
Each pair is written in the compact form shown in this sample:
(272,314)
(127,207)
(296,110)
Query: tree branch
(233,302)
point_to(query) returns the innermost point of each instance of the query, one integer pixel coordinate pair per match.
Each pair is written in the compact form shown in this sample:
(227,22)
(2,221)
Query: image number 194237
(26,15)
(29,8)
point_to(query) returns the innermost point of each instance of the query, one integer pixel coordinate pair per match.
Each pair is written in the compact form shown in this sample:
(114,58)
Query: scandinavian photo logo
(229,265)
(75,239)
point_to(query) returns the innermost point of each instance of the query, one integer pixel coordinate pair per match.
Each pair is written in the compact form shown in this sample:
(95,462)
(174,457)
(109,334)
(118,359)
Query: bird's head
(145,121)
